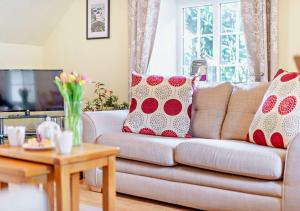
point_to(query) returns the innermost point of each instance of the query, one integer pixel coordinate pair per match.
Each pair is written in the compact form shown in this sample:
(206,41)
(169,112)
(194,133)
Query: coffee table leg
(3,185)
(75,178)
(49,188)
(109,185)
(63,188)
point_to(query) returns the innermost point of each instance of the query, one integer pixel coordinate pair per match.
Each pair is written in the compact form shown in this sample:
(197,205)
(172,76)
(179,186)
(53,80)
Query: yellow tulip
(63,77)
(82,82)
(72,78)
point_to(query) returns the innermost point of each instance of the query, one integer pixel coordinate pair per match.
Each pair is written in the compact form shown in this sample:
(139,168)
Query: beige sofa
(216,170)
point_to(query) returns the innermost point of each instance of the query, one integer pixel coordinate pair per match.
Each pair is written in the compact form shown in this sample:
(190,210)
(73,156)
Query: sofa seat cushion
(150,149)
(196,176)
(235,157)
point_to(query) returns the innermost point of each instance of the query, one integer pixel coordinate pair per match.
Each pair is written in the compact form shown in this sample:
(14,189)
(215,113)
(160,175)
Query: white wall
(104,60)
(289,33)
(20,56)
(164,56)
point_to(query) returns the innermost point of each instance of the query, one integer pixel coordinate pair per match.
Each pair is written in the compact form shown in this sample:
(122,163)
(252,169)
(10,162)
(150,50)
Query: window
(22,83)
(213,30)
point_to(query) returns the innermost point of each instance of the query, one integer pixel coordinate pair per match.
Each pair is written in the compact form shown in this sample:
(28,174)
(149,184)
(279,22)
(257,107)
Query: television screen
(32,90)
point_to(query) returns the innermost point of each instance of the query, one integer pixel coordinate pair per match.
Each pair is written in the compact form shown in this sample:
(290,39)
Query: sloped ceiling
(30,21)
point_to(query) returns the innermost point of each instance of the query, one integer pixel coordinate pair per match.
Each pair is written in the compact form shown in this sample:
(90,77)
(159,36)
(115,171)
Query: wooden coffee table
(67,170)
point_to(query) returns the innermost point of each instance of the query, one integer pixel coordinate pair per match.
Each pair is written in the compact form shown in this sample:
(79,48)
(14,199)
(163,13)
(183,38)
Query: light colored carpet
(84,207)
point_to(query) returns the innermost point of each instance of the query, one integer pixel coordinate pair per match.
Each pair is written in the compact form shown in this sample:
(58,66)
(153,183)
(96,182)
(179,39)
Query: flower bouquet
(71,87)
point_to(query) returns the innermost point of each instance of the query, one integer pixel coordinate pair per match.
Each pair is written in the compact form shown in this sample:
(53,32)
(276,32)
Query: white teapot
(47,130)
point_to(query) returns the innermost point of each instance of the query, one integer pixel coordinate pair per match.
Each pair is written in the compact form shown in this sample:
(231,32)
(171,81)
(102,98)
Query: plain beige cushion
(243,104)
(236,157)
(209,109)
(196,176)
(150,149)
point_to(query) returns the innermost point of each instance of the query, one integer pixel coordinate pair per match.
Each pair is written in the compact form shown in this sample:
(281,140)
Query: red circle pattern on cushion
(147,131)
(188,136)
(288,77)
(172,107)
(277,140)
(133,105)
(287,105)
(177,81)
(169,133)
(269,104)
(278,73)
(149,105)
(136,79)
(126,129)
(259,137)
(154,80)
(189,111)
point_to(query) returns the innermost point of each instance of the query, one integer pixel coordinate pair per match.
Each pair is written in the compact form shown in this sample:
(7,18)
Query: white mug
(16,135)
(64,142)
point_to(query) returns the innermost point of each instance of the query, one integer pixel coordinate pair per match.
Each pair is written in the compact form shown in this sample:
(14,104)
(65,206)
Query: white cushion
(150,149)
(236,157)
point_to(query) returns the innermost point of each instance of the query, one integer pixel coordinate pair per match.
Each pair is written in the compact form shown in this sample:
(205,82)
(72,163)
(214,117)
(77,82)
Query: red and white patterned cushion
(160,105)
(277,121)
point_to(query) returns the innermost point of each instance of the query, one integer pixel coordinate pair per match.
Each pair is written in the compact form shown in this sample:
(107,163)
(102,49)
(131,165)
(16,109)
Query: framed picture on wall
(97,19)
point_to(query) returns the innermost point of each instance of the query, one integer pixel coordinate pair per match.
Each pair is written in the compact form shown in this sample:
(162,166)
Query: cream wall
(289,33)
(20,56)
(104,60)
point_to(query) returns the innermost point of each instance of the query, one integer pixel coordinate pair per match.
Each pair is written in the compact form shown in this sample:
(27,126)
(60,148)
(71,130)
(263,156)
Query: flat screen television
(29,90)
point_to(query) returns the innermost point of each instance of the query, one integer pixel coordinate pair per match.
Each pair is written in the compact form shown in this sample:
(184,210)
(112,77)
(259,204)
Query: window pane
(206,19)
(228,17)
(186,70)
(190,21)
(243,50)
(228,49)
(227,74)
(190,51)
(243,74)
(211,74)
(206,46)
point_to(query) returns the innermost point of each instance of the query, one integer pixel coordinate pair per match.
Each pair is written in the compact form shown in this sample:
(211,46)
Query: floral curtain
(143,19)
(260,19)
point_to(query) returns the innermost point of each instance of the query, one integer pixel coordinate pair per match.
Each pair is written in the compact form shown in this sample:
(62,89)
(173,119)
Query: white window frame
(181,4)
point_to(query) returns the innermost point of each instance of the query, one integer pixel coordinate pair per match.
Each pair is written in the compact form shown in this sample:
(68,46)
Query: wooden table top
(83,152)
(23,168)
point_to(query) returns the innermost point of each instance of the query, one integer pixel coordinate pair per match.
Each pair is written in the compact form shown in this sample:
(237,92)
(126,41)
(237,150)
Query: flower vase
(73,122)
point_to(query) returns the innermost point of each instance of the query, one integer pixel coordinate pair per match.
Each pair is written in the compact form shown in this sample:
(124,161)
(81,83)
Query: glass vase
(73,122)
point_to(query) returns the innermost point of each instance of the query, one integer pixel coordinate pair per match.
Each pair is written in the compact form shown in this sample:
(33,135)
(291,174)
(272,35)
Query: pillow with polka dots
(277,121)
(160,105)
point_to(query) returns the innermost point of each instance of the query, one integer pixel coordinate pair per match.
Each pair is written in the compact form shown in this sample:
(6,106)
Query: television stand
(59,119)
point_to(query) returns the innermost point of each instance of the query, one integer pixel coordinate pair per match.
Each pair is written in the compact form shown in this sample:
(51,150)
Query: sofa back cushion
(209,108)
(243,104)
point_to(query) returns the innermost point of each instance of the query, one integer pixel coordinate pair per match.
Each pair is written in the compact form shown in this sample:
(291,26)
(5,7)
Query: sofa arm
(97,123)
(291,182)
